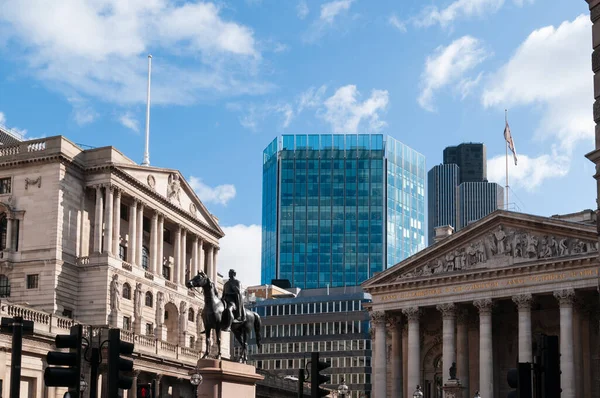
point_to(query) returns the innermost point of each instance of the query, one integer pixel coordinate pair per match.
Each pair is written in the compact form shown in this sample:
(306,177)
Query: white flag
(509,140)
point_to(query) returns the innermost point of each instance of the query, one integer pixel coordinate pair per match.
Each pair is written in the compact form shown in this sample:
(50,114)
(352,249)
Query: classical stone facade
(478,298)
(90,237)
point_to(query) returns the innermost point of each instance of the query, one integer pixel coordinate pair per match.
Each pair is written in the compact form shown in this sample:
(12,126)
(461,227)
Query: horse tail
(257,327)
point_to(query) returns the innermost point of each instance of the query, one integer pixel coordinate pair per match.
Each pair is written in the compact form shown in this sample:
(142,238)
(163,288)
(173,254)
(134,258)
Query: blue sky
(228,76)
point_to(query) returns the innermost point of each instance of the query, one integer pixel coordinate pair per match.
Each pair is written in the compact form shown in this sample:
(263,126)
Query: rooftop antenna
(146,161)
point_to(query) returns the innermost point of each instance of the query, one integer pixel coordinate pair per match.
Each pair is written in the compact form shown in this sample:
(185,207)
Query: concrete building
(479,298)
(90,237)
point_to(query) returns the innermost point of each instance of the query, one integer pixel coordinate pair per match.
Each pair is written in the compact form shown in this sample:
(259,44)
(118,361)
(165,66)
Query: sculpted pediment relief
(502,247)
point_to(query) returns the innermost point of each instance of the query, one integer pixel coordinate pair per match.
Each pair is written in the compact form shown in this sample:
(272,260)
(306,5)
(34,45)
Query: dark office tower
(470,158)
(339,208)
(478,199)
(442,181)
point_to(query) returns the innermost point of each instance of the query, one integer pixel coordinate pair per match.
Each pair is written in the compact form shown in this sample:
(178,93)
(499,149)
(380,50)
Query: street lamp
(196,380)
(477,395)
(343,390)
(418,393)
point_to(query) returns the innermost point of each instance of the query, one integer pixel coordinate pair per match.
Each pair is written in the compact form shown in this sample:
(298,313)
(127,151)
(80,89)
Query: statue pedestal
(224,379)
(453,389)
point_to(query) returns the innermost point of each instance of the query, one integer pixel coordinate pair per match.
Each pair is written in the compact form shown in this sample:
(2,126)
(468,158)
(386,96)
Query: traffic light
(301,380)
(550,367)
(116,364)
(144,390)
(520,379)
(316,378)
(69,374)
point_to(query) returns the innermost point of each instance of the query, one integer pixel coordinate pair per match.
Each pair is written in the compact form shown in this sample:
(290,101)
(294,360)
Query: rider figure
(232,294)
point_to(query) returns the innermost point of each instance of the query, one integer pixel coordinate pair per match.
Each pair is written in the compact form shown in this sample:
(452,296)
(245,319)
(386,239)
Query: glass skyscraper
(339,208)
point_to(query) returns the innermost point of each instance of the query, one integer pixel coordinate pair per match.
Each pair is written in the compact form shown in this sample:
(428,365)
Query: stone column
(161,242)
(209,260)
(395,324)
(176,253)
(462,350)
(98,221)
(486,360)
(133,391)
(131,242)
(201,255)
(379,356)
(140,234)
(414,349)
(117,223)
(194,269)
(449,338)
(9,228)
(184,259)
(157,386)
(214,263)
(108,220)
(523,302)
(567,377)
(154,243)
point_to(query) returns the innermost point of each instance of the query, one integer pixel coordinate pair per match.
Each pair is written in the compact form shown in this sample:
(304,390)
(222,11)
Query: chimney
(443,232)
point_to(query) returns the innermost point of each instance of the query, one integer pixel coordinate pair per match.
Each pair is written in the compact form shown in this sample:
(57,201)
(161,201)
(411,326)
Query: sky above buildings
(229,76)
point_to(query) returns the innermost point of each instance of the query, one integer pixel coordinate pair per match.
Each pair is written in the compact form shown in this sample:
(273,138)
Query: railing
(36,146)
(9,150)
(85,260)
(127,336)
(164,346)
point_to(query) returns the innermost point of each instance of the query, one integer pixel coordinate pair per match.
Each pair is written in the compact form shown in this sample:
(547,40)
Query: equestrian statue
(226,314)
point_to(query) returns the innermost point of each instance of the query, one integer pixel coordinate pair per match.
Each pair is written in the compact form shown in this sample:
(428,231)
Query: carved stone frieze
(523,301)
(503,247)
(174,188)
(412,313)
(565,296)
(484,305)
(448,310)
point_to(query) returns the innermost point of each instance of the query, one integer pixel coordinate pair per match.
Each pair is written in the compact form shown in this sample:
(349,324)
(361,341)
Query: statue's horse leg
(218,333)
(207,331)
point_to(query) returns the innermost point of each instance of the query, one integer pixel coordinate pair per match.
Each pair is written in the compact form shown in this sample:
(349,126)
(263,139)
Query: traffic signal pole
(95,364)
(15,358)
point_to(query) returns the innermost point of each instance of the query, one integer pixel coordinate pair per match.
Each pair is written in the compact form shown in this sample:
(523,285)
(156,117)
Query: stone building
(479,298)
(90,237)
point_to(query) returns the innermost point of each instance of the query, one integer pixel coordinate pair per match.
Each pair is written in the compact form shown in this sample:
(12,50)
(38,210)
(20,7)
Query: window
(149,329)
(4,286)
(191,315)
(124,212)
(192,341)
(5,185)
(149,299)
(123,252)
(32,281)
(126,322)
(145,256)
(3,229)
(166,272)
(166,315)
(126,291)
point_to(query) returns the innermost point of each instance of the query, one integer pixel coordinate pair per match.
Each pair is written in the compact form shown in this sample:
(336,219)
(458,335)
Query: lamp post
(418,393)
(196,380)
(343,390)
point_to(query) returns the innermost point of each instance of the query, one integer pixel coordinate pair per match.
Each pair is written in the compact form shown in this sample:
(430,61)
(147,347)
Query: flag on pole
(509,141)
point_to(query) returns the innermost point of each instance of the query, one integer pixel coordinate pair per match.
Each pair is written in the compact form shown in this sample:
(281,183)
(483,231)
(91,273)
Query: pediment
(497,241)
(172,186)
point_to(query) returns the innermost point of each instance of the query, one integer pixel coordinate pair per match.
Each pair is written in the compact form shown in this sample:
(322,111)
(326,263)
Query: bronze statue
(453,371)
(232,296)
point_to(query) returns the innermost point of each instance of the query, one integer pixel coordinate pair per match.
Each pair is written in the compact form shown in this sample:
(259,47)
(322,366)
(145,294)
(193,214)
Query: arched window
(4,286)
(145,256)
(126,291)
(149,299)
(191,315)
(3,225)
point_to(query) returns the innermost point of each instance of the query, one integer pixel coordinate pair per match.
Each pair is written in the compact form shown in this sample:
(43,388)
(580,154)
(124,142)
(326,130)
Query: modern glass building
(442,181)
(339,208)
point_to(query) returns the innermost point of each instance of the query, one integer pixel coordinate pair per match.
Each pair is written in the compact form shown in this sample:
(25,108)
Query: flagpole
(506,157)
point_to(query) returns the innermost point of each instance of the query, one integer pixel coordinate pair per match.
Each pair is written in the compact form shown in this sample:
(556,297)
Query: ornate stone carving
(193,209)
(37,181)
(484,305)
(565,296)
(174,188)
(448,310)
(151,181)
(392,321)
(412,313)
(115,293)
(523,301)
(160,308)
(183,317)
(137,298)
(377,318)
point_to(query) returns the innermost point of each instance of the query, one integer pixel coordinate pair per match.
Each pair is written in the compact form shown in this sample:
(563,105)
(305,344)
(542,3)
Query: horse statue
(219,315)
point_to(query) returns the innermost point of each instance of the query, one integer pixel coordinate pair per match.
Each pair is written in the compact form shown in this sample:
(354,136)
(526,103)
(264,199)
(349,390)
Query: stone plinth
(453,389)
(223,379)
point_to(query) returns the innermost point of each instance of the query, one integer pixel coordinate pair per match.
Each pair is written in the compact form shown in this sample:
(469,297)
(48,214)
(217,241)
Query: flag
(509,141)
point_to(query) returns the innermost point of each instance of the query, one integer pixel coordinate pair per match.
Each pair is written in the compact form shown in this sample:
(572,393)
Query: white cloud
(330,10)
(221,194)
(302,9)
(129,121)
(311,98)
(467,85)
(241,250)
(396,23)
(252,115)
(345,112)
(18,131)
(448,65)
(101,52)
(2,119)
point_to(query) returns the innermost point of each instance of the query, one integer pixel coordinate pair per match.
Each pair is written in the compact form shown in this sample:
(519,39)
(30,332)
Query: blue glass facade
(324,198)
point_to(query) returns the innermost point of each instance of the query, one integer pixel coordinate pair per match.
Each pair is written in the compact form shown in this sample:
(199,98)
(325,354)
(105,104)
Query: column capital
(484,305)
(393,320)
(412,313)
(196,239)
(117,190)
(523,301)
(134,202)
(565,297)
(448,310)
(377,318)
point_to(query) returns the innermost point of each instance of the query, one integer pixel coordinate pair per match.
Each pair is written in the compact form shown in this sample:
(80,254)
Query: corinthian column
(108,220)
(462,349)
(394,322)
(117,223)
(140,234)
(154,243)
(567,377)
(131,242)
(177,252)
(486,360)
(379,360)
(201,255)
(160,241)
(449,338)
(194,268)
(214,263)
(184,261)
(523,302)
(98,221)
(414,349)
